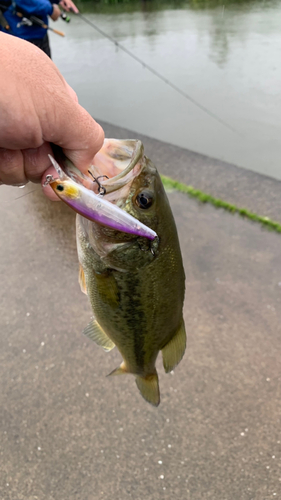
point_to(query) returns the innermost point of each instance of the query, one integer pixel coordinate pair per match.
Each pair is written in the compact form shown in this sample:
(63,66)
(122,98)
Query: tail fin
(149,388)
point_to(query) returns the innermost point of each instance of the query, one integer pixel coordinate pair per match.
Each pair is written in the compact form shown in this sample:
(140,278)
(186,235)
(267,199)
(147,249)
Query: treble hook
(101,189)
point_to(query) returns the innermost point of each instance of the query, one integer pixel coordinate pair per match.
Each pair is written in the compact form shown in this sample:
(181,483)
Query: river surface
(225,55)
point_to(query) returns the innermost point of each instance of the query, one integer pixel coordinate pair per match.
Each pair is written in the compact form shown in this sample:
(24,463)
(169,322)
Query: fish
(135,285)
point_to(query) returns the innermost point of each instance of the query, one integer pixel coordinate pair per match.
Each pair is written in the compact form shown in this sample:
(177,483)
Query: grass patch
(216,202)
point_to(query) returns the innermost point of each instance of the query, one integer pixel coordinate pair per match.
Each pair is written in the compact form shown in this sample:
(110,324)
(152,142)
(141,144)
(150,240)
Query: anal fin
(149,388)
(173,351)
(96,333)
(82,281)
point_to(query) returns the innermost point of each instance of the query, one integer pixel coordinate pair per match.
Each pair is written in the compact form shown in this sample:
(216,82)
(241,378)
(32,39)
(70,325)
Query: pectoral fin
(149,388)
(96,333)
(173,351)
(82,281)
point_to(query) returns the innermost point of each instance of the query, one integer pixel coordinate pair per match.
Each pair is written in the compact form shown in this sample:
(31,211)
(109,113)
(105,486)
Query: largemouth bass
(135,285)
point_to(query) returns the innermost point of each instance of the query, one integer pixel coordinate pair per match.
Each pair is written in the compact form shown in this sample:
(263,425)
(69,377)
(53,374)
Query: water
(225,55)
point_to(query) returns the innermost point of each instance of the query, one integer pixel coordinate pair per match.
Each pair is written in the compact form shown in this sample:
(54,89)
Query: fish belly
(140,312)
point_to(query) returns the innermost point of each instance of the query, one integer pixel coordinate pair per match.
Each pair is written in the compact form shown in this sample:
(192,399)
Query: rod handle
(58,32)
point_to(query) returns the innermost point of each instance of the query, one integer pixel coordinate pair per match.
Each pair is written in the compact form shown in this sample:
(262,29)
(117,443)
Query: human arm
(56,12)
(37,107)
(67,5)
(40,8)
(36,7)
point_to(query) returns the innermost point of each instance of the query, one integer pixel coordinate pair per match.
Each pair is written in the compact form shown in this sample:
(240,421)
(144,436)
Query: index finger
(74,130)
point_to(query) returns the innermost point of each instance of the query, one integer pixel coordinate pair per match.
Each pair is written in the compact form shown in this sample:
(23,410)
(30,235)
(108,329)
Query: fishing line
(25,194)
(158,75)
(18,197)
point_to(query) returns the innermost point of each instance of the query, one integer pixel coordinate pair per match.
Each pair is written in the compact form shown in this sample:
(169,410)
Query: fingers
(71,92)
(17,168)
(20,166)
(38,108)
(12,167)
(75,131)
(36,161)
(68,5)
(83,158)
(19,123)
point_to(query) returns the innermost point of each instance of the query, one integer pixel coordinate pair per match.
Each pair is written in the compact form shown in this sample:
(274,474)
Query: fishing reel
(24,22)
(65,17)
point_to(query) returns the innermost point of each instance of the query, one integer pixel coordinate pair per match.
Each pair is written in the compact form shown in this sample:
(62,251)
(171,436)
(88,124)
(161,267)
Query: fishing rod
(157,74)
(28,20)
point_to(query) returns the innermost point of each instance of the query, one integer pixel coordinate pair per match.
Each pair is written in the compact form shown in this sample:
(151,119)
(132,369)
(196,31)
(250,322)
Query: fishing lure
(94,207)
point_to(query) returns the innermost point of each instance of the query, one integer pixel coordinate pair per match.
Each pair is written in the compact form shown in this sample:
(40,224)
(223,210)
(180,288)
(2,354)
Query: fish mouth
(114,168)
(116,160)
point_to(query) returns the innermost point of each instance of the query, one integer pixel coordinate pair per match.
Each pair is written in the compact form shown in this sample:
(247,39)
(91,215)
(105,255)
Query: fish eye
(60,187)
(144,200)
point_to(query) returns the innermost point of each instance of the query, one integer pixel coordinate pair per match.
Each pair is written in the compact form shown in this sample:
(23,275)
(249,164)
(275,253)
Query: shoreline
(255,192)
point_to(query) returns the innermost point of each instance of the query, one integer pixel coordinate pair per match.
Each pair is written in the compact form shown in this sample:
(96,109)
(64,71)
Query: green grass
(116,6)
(216,202)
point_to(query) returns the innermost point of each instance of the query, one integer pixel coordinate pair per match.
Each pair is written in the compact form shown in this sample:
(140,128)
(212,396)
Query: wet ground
(68,432)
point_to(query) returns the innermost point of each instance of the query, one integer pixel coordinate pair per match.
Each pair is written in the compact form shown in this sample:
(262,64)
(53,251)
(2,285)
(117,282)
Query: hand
(56,12)
(69,6)
(37,107)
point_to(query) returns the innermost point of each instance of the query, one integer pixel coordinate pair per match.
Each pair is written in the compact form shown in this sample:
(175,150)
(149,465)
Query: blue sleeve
(36,7)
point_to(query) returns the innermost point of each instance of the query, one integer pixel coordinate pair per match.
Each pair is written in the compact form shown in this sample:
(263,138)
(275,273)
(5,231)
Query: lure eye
(144,200)
(60,187)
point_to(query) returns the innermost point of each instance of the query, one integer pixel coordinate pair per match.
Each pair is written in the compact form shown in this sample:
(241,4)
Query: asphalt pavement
(69,433)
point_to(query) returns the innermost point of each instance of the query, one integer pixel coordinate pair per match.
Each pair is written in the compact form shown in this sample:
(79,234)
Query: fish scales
(136,286)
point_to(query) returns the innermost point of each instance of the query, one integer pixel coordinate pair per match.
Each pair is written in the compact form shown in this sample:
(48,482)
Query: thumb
(73,129)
